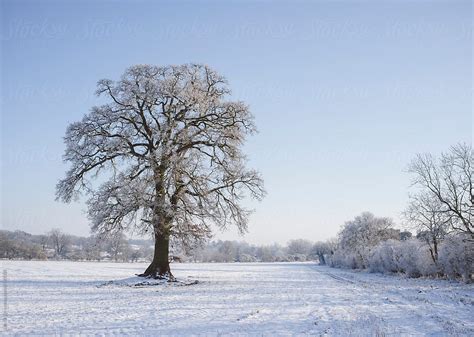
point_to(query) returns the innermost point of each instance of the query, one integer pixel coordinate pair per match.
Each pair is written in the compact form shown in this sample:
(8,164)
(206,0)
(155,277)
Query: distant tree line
(233,251)
(56,245)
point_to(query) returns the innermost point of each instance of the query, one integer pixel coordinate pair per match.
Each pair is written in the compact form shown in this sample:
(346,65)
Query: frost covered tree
(426,215)
(320,250)
(359,236)
(300,248)
(449,179)
(167,146)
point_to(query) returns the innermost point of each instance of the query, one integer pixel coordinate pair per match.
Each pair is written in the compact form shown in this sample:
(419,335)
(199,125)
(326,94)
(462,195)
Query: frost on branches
(167,146)
(449,181)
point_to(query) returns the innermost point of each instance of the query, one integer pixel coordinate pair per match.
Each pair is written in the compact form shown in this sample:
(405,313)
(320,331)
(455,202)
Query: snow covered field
(46,298)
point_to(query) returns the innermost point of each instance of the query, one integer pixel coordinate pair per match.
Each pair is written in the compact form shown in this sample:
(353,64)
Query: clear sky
(344,93)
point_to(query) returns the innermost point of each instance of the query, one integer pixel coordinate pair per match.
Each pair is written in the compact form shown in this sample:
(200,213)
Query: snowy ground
(46,298)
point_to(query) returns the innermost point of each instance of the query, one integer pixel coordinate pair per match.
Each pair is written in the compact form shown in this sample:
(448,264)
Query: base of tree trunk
(155,271)
(159,268)
(167,276)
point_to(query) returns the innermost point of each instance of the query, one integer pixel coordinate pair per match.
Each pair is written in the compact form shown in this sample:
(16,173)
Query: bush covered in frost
(412,258)
(456,257)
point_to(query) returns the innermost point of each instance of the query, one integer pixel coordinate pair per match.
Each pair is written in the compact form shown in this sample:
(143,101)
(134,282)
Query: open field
(231,299)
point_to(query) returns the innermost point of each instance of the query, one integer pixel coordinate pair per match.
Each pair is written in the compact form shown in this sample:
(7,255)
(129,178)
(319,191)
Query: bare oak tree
(168,148)
(449,180)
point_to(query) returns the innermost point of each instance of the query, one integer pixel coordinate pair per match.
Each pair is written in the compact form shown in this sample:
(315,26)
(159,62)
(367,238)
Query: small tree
(60,241)
(426,215)
(44,241)
(320,250)
(168,146)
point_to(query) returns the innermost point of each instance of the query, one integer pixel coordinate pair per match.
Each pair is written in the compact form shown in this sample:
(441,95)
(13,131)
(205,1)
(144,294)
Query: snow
(254,299)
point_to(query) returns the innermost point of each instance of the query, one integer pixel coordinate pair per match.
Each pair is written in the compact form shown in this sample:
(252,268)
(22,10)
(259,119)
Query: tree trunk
(432,255)
(160,266)
(322,260)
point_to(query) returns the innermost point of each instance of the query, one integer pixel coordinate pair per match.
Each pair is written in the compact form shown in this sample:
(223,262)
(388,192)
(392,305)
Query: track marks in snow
(406,306)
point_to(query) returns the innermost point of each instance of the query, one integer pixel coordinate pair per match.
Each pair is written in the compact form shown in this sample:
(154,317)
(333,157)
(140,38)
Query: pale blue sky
(344,93)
